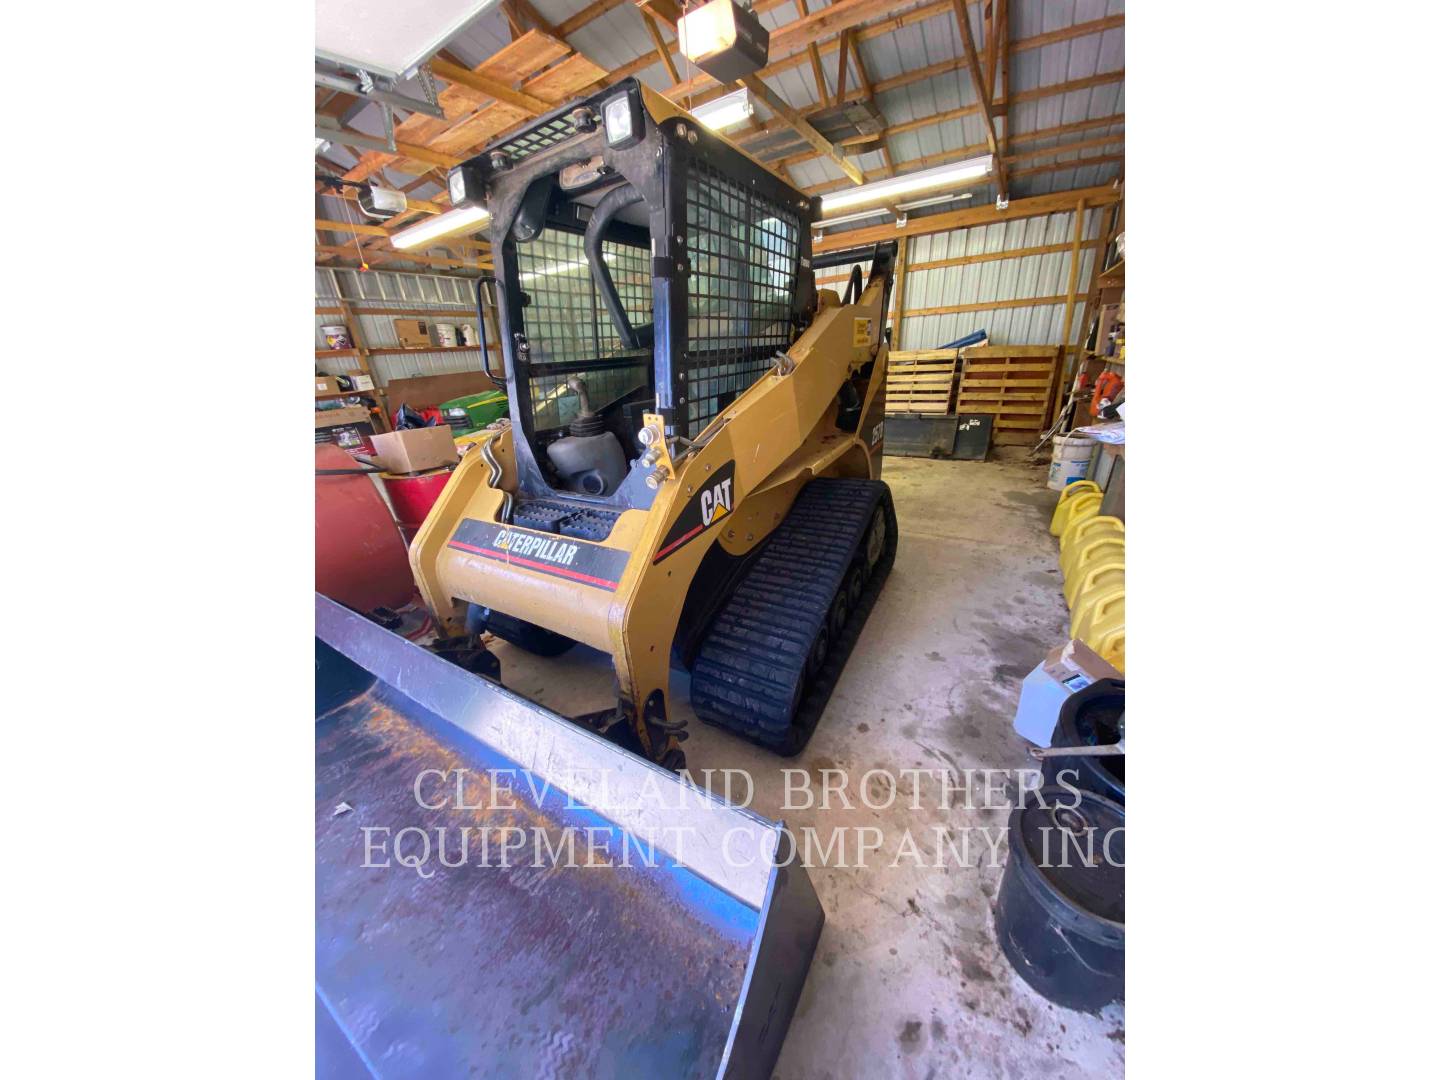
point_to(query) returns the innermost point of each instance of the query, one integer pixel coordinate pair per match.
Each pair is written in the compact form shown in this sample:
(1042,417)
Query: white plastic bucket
(467,335)
(445,332)
(1070,460)
(336,337)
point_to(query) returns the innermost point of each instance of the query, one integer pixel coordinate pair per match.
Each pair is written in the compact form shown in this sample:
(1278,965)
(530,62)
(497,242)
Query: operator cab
(642,265)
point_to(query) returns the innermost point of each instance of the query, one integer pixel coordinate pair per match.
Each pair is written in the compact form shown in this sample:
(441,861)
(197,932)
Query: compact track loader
(691,472)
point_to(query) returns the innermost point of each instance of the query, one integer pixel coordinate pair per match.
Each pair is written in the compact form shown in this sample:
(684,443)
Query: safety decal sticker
(710,504)
(544,553)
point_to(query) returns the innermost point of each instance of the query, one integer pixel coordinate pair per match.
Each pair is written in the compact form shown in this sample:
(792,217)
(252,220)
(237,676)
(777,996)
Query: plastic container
(446,335)
(1110,647)
(1096,579)
(1069,460)
(1092,551)
(1082,506)
(1060,917)
(413,496)
(1088,525)
(337,337)
(1061,516)
(468,335)
(1096,619)
(1091,717)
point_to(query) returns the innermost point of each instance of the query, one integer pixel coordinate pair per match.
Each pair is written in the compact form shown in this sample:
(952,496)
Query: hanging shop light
(886,190)
(724,40)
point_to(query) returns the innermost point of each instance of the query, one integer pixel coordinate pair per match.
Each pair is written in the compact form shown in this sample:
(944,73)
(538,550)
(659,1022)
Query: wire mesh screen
(551,133)
(566,322)
(743,251)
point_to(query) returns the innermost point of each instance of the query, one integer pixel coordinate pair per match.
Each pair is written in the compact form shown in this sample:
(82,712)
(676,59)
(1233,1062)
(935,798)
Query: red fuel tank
(360,559)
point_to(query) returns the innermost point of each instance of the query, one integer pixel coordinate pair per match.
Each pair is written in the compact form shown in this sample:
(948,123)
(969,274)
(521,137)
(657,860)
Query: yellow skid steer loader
(691,472)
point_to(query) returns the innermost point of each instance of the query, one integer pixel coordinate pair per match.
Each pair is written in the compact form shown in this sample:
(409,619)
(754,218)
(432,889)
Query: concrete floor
(908,979)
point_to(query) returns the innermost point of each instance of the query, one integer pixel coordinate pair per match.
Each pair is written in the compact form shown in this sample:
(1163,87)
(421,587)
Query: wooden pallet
(922,381)
(1014,382)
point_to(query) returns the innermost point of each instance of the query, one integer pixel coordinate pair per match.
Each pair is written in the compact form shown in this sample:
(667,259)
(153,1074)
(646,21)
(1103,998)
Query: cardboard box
(415,450)
(350,414)
(1065,669)
(360,382)
(354,439)
(326,384)
(413,333)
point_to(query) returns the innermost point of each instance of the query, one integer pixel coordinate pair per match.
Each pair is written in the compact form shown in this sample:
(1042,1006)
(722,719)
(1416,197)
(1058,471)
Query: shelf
(349,393)
(319,353)
(1114,275)
(425,349)
(463,313)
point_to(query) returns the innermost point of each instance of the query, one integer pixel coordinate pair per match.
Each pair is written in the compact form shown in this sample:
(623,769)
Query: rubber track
(753,655)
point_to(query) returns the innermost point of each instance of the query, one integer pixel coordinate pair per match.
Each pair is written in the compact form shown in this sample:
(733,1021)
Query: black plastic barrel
(1060,915)
(1091,717)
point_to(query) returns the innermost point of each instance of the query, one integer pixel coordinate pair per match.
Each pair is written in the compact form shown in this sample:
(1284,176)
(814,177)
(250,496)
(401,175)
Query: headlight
(622,120)
(618,124)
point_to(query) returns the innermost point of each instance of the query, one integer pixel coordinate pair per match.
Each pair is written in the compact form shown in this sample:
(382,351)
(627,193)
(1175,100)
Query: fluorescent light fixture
(725,111)
(452,221)
(882,190)
(846,219)
(321,145)
(876,211)
(388,38)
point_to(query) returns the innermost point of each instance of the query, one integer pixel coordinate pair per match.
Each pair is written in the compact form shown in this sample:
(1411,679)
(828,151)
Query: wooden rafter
(668,12)
(585,16)
(961,153)
(653,29)
(782,109)
(817,70)
(1037,94)
(867,92)
(838,28)
(492,88)
(910,18)
(845,36)
(977,80)
(1034,206)
(528,17)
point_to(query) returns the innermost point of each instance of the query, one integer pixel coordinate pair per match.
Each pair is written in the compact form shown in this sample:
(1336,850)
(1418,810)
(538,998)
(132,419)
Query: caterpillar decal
(558,556)
(708,505)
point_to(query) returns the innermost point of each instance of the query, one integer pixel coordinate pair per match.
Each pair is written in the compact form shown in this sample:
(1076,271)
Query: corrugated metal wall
(400,293)
(997,280)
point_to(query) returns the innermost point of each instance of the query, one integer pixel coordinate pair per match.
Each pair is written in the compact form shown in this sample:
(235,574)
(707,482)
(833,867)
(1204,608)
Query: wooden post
(1092,293)
(1061,382)
(362,352)
(900,271)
